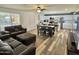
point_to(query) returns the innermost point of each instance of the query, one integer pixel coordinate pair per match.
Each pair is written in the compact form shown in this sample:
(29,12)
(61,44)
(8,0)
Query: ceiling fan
(40,8)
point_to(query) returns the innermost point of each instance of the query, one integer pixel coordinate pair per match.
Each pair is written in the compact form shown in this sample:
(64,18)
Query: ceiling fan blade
(43,9)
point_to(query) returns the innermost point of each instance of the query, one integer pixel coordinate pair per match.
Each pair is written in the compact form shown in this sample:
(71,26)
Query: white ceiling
(48,7)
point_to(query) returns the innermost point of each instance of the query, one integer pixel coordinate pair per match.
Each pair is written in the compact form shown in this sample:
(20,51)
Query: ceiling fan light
(38,11)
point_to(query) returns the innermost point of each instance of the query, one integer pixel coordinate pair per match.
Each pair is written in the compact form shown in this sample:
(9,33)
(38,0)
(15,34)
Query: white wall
(27,19)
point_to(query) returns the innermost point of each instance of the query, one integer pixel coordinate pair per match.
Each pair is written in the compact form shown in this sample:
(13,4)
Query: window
(8,19)
(68,22)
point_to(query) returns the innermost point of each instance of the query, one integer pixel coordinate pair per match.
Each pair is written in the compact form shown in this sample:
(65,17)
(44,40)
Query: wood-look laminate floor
(56,45)
(39,39)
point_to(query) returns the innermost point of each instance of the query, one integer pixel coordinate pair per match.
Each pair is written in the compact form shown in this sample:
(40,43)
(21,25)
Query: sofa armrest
(25,29)
(5,49)
(4,35)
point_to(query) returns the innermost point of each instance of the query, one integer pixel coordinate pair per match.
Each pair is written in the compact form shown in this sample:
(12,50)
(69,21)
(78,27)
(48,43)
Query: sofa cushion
(5,49)
(18,27)
(19,49)
(26,38)
(10,29)
(12,42)
(9,40)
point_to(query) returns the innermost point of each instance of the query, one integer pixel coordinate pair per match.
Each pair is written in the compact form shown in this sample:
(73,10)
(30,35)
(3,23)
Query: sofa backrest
(10,28)
(14,28)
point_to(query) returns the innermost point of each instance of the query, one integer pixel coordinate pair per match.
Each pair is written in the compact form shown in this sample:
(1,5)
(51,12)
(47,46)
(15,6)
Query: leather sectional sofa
(18,42)
(17,47)
(20,34)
